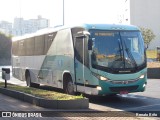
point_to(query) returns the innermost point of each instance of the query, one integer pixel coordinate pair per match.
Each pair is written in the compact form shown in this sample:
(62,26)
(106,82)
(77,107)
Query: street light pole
(63,12)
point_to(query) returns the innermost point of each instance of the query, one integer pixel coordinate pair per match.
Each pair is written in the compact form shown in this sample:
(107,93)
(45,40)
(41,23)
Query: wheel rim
(70,88)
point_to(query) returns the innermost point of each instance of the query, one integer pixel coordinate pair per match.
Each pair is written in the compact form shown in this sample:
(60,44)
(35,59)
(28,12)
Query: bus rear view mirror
(82,34)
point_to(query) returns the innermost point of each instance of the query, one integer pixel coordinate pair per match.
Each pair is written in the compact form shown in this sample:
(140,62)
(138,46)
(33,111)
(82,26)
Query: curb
(54,104)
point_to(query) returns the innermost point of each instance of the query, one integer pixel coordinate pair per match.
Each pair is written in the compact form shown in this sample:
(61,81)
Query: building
(6,27)
(18,27)
(42,22)
(145,13)
(21,26)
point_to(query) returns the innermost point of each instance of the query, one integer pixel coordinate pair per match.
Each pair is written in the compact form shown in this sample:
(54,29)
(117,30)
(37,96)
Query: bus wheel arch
(68,85)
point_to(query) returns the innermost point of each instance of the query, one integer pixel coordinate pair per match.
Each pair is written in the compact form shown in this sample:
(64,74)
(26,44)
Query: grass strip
(50,95)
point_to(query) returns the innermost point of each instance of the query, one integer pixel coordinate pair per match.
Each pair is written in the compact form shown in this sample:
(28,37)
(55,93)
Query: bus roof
(86,26)
(110,27)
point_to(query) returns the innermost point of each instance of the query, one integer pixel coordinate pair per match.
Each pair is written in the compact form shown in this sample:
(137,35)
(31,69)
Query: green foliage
(50,95)
(148,35)
(5,49)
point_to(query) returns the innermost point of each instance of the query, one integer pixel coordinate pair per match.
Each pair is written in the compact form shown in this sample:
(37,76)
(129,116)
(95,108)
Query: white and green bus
(95,59)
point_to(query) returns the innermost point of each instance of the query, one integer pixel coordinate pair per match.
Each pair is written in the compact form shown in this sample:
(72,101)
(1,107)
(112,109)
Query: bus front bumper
(122,87)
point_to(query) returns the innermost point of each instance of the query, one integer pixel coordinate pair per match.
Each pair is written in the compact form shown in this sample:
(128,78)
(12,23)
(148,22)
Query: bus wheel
(69,87)
(28,79)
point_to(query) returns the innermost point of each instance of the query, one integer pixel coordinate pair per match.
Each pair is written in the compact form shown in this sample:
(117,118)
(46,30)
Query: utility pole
(63,12)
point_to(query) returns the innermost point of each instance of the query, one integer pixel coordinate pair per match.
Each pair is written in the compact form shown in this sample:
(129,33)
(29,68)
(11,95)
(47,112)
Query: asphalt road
(142,101)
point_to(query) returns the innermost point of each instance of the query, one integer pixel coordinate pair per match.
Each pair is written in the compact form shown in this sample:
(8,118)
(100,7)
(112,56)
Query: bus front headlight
(142,76)
(99,88)
(99,77)
(103,78)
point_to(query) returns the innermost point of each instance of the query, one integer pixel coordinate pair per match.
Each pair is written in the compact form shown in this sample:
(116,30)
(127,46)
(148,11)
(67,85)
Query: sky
(75,11)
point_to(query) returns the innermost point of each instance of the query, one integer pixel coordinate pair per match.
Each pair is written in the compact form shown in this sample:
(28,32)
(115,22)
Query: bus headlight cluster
(99,88)
(100,77)
(103,78)
(142,76)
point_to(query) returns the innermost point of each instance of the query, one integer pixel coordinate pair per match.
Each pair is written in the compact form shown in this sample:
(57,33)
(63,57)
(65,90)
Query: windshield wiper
(130,55)
(120,49)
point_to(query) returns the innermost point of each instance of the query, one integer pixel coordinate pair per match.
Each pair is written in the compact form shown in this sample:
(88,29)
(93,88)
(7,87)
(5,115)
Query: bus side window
(21,46)
(30,46)
(39,45)
(15,48)
(79,49)
(81,53)
(49,38)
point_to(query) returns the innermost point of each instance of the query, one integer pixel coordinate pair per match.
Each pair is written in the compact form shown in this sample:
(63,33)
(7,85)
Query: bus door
(81,62)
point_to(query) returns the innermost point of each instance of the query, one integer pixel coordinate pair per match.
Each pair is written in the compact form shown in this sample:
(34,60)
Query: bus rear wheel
(28,81)
(68,86)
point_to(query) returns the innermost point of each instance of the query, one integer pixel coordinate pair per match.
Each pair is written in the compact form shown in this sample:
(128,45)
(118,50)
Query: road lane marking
(137,108)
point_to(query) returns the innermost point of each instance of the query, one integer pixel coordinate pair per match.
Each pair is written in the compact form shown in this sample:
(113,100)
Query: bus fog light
(99,88)
(144,85)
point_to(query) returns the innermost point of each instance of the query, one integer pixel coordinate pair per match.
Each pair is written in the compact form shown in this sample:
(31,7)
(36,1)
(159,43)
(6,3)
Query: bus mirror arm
(90,44)
(40,77)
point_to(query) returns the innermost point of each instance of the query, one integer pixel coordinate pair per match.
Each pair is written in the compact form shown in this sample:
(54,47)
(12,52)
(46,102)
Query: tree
(5,49)
(148,35)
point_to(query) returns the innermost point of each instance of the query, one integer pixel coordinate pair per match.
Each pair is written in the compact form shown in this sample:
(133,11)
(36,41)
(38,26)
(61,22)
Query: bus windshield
(117,49)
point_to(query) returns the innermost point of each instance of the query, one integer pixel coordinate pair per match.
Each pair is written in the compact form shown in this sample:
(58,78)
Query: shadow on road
(129,102)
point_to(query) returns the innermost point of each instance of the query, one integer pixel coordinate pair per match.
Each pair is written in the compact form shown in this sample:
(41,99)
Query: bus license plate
(123,92)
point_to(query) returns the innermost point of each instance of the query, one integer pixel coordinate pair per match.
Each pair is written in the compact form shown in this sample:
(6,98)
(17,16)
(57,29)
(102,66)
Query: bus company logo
(6,114)
(124,82)
(125,71)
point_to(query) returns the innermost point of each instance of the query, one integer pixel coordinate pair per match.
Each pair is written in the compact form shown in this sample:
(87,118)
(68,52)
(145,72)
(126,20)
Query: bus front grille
(119,89)
(123,81)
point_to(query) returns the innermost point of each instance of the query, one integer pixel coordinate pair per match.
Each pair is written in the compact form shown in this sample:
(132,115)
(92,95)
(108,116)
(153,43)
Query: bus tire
(28,81)
(68,85)
(35,85)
